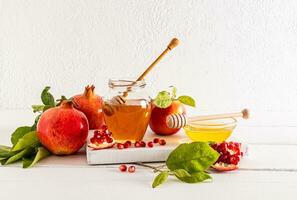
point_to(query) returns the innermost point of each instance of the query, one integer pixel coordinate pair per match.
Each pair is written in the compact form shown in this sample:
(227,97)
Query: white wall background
(233,53)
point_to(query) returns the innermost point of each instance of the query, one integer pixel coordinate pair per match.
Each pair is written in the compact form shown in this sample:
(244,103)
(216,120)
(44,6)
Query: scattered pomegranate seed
(162,142)
(156,140)
(123,168)
(150,144)
(120,146)
(126,145)
(131,169)
(142,144)
(137,144)
(129,142)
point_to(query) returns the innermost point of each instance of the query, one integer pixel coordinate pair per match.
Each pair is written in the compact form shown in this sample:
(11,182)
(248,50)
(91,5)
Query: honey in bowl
(128,121)
(210,130)
(127,110)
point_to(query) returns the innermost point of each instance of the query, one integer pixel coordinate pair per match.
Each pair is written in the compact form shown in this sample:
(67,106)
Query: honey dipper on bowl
(181,120)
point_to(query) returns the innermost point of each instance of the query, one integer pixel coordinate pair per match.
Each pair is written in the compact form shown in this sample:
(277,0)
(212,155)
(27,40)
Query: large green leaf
(28,140)
(19,133)
(47,98)
(196,177)
(19,155)
(161,178)
(41,153)
(193,157)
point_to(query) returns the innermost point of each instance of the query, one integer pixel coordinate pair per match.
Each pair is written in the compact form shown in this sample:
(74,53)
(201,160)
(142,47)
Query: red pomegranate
(230,155)
(63,130)
(91,105)
(159,115)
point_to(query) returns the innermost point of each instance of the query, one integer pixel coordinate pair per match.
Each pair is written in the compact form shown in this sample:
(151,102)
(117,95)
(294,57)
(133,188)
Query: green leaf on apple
(187,100)
(163,99)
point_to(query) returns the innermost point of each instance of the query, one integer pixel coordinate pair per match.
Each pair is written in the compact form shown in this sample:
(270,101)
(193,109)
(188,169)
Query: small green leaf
(19,133)
(196,177)
(173,92)
(187,100)
(19,155)
(28,140)
(34,126)
(41,153)
(161,178)
(37,108)
(163,100)
(192,157)
(47,98)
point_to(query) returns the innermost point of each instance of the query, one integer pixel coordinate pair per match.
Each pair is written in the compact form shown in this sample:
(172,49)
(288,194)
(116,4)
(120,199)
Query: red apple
(159,115)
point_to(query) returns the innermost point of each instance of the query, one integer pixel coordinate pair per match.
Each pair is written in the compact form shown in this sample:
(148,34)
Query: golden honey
(128,121)
(211,131)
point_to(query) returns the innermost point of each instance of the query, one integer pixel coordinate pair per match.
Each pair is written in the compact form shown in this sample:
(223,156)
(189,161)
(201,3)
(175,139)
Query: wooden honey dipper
(181,120)
(121,99)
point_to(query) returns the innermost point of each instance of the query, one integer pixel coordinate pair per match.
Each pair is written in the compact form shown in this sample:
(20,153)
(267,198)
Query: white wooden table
(268,172)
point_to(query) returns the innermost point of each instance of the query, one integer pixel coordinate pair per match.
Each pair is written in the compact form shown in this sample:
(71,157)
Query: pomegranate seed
(103,127)
(137,144)
(156,140)
(93,140)
(109,140)
(150,144)
(128,143)
(120,146)
(142,144)
(131,169)
(162,142)
(123,168)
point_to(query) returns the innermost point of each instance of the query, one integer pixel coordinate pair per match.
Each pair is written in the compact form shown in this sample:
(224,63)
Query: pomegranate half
(91,105)
(63,130)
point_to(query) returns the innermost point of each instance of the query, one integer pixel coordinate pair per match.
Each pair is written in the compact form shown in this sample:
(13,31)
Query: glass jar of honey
(127,109)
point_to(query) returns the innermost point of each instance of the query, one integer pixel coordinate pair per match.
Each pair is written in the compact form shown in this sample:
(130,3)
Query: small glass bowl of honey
(127,109)
(217,130)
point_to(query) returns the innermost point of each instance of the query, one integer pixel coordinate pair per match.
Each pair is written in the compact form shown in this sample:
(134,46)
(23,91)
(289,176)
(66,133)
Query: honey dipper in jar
(127,110)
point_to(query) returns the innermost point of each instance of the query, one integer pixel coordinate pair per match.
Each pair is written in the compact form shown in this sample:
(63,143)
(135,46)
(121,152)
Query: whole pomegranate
(230,155)
(63,130)
(91,105)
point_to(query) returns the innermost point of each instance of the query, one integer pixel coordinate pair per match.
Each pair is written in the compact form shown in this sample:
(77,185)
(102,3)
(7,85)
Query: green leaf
(3,161)
(47,98)
(37,108)
(41,153)
(19,155)
(5,152)
(163,100)
(28,140)
(196,177)
(161,178)
(187,100)
(19,133)
(34,126)
(173,92)
(193,157)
